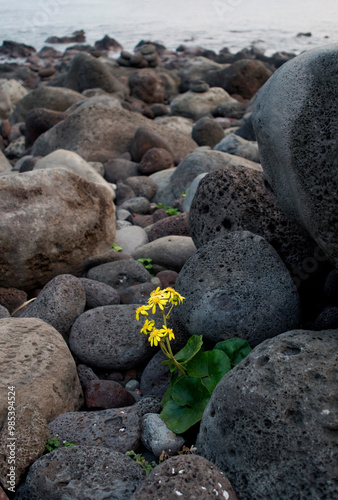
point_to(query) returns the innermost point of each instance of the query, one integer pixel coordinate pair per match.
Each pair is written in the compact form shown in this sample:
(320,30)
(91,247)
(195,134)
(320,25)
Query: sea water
(272,25)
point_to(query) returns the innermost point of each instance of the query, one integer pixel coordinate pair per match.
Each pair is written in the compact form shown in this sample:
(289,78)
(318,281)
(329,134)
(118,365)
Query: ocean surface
(272,25)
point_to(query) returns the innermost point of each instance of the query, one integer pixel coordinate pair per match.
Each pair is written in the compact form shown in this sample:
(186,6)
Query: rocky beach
(214,174)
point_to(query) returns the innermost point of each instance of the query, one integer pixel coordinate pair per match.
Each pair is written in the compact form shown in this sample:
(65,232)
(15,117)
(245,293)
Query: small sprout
(140,460)
(170,210)
(117,248)
(148,264)
(54,443)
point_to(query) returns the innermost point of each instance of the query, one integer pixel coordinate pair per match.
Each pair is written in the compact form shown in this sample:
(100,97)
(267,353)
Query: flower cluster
(164,300)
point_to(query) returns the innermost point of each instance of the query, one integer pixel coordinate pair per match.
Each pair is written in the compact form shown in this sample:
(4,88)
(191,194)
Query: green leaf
(236,348)
(180,418)
(189,391)
(190,350)
(210,366)
(117,248)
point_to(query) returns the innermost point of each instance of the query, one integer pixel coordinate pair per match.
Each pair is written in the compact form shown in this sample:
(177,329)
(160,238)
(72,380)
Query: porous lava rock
(271,422)
(237,286)
(296,125)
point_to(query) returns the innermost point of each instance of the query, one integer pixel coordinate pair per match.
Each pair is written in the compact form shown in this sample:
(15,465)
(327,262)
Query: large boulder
(97,133)
(295,121)
(195,105)
(11,91)
(52,221)
(237,198)
(195,69)
(36,361)
(243,77)
(54,98)
(93,73)
(147,85)
(237,286)
(271,423)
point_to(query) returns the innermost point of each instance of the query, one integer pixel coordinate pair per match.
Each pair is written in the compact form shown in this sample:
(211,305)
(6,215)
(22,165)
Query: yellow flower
(159,300)
(168,332)
(148,326)
(155,337)
(174,297)
(141,310)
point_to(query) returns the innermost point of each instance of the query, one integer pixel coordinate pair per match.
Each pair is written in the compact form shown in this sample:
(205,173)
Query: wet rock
(237,286)
(279,410)
(15,49)
(170,252)
(187,476)
(244,77)
(107,394)
(36,360)
(109,337)
(301,163)
(70,217)
(207,132)
(156,436)
(59,303)
(77,36)
(98,473)
(107,43)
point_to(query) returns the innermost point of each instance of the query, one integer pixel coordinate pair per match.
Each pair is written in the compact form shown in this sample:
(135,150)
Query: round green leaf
(180,418)
(236,348)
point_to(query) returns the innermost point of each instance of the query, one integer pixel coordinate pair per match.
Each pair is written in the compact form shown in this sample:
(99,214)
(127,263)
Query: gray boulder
(117,429)
(52,221)
(59,303)
(109,337)
(296,125)
(277,421)
(237,286)
(236,199)
(78,472)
